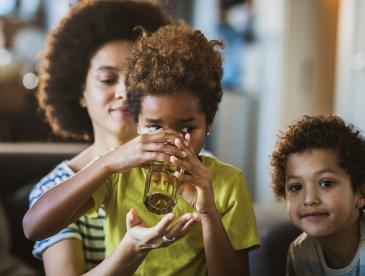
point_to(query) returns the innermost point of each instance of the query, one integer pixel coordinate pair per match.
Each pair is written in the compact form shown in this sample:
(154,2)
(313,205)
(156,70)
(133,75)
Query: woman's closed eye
(108,79)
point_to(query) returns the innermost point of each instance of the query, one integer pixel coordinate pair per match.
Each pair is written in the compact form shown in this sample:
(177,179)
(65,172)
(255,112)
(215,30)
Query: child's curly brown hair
(70,47)
(173,59)
(313,132)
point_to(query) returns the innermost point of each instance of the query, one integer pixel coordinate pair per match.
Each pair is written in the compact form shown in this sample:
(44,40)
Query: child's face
(180,111)
(319,196)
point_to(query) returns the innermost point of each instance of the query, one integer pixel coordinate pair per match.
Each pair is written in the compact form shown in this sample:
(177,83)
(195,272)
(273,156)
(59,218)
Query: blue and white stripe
(90,231)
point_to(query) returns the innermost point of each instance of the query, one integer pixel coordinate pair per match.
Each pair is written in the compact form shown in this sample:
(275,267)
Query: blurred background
(282,59)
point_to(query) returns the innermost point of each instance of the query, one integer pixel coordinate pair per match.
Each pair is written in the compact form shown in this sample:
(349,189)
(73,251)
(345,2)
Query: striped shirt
(89,230)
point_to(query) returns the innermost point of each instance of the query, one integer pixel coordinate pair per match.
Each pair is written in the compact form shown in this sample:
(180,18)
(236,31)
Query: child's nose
(311,196)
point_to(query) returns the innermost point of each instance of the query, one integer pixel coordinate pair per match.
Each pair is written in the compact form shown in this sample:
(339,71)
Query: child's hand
(196,185)
(153,146)
(159,235)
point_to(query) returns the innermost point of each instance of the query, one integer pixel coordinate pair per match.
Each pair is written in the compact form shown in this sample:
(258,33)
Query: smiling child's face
(319,195)
(179,111)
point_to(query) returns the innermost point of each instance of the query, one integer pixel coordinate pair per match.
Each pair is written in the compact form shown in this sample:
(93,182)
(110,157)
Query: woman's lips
(121,110)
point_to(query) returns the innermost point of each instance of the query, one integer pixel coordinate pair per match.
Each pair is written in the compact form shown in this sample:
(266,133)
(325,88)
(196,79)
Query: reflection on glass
(161,187)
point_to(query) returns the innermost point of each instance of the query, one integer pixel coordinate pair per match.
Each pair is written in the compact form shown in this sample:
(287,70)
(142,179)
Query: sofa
(23,164)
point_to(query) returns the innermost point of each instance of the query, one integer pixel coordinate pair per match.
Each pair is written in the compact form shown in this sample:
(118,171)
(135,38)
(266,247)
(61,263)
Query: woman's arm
(65,257)
(140,240)
(63,253)
(67,201)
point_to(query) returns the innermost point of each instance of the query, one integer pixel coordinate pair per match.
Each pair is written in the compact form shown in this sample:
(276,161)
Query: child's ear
(360,203)
(208,130)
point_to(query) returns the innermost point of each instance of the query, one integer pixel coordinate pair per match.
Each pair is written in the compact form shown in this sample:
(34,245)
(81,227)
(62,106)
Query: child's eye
(294,187)
(326,183)
(185,130)
(153,128)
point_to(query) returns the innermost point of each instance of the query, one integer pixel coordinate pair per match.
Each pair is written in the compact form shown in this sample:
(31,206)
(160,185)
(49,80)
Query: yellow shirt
(186,256)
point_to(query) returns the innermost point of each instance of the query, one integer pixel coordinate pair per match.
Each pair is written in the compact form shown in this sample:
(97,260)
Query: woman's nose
(121,91)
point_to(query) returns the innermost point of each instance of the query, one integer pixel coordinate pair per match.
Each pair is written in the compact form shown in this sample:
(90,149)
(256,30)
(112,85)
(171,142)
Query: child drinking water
(173,83)
(318,168)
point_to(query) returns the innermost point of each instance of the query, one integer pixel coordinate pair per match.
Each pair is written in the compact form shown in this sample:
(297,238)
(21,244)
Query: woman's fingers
(133,219)
(194,219)
(161,227)
(179,224)
(160,235)
(179,229)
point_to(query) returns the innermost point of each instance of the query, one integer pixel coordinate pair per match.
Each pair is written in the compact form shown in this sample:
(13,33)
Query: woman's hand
(160,235)
(140,240)
(152,146)
(196,180)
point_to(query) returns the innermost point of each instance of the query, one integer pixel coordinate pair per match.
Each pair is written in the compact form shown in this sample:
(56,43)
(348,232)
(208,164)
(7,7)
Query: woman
(82,94)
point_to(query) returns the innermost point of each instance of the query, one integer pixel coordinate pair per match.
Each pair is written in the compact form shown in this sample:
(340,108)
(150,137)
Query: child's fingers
(185,178)
(181,144)
(193,167)
(162,148)
(185,144)
(161,136)
(188,139)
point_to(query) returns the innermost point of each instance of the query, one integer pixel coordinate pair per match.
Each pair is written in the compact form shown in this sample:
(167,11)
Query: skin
(62,204)
(321,202)
(138,241)
(104,97)
(181,112)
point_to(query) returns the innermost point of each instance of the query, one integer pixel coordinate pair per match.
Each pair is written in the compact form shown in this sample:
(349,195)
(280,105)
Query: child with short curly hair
(173,82)
(318,168)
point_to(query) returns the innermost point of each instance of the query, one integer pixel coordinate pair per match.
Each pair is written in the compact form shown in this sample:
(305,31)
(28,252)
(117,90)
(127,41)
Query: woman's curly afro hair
(173,59)
(314,132)
(70,47)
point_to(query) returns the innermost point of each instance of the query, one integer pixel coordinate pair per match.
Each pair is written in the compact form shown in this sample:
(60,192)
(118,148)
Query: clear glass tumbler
(161,187)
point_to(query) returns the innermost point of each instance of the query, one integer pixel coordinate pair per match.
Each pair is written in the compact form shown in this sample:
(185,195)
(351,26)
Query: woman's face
(104,95)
